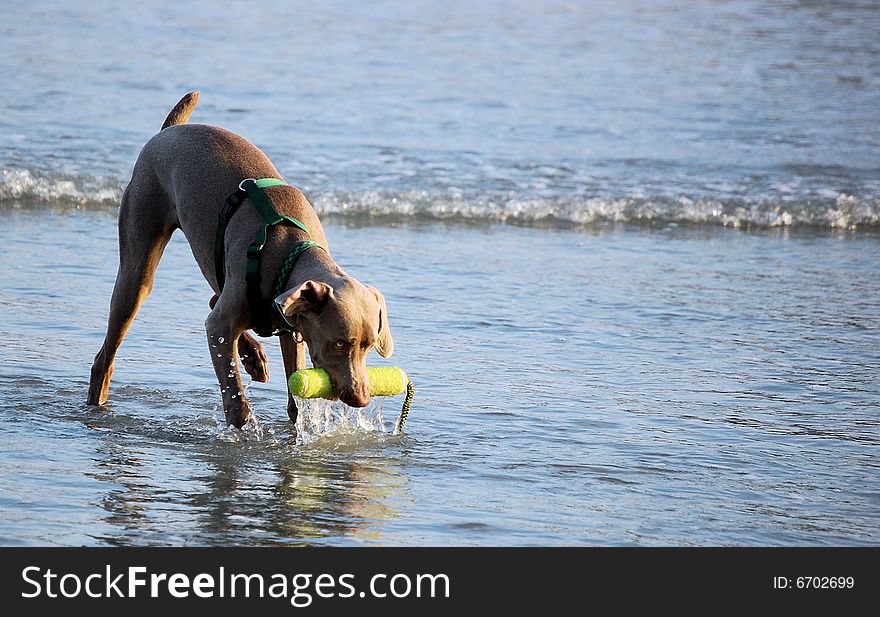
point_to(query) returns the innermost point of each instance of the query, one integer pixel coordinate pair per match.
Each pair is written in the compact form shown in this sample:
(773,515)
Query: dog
(182,179)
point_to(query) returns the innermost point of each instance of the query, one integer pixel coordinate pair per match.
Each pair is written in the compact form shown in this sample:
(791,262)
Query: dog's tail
(182,111)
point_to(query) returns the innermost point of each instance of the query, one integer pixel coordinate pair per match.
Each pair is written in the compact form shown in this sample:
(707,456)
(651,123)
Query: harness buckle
(240,187)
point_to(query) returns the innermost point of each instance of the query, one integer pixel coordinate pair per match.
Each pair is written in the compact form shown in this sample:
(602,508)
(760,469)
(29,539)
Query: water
(630,252)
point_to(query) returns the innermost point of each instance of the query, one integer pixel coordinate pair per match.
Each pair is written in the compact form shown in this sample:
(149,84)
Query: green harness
(261,311)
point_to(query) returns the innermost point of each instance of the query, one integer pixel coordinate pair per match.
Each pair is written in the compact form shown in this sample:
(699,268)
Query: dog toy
(384,381)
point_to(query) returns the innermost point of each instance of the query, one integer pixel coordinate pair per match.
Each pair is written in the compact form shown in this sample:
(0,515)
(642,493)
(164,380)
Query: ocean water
(631,252)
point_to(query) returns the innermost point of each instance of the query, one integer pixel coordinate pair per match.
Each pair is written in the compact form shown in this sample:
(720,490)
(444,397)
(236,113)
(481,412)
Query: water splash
(251,431)
(338,424)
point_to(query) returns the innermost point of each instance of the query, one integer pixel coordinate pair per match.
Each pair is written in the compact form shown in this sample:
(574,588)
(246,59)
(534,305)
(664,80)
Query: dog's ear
(384,344)
(311,296)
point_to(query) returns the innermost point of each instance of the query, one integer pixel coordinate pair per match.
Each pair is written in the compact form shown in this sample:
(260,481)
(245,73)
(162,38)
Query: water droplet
(221,339)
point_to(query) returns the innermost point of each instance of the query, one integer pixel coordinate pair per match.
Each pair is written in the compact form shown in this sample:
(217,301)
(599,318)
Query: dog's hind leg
(142,239)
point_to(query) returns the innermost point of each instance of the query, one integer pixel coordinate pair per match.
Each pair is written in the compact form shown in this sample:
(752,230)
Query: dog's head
(340,325)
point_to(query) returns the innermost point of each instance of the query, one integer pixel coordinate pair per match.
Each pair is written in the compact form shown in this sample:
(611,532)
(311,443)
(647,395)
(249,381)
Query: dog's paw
(253,358)
(257,368)
(238,415)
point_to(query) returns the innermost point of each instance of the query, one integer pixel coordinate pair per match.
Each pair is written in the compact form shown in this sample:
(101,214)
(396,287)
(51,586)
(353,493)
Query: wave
(29,189)
(841,212)
(22,188)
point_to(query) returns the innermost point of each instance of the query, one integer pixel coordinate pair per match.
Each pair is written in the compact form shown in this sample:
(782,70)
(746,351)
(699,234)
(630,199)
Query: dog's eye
(340,345)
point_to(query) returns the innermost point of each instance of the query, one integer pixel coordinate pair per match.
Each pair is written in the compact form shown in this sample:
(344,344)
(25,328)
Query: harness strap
(229,209)
(253,189)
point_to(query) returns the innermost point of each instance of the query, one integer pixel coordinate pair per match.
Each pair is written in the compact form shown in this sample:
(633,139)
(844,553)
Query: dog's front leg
(223,345)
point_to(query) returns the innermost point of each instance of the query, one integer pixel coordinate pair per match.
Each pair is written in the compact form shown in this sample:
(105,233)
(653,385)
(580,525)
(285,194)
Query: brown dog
(181,180)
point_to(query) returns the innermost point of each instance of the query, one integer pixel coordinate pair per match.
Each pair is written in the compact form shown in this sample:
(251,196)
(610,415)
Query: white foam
(777,205)
(22,187)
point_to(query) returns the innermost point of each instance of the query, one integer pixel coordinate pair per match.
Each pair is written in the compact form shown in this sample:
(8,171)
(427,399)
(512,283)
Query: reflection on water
(268,492)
